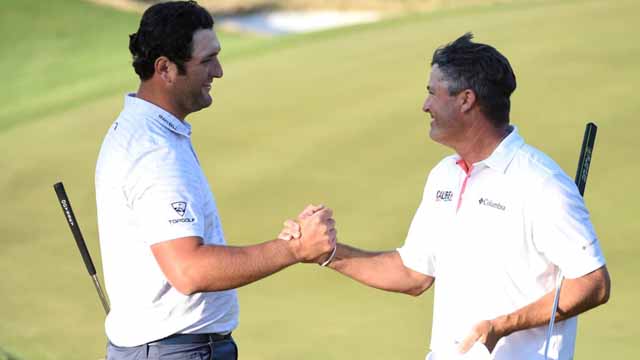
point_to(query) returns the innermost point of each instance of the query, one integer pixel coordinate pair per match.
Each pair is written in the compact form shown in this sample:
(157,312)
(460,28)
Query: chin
(205,102)
(433,134)
(437,136)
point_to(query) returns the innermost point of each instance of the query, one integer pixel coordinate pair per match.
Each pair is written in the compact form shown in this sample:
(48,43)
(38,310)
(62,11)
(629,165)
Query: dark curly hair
(481,68)
(166,29)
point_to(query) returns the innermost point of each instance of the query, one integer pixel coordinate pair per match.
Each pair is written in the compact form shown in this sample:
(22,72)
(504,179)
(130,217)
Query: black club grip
(73,225)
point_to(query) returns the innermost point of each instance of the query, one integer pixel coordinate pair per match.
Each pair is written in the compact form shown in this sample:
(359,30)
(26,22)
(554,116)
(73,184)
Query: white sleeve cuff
(422,265)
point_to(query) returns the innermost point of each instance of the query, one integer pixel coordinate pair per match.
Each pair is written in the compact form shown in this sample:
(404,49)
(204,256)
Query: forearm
(215,268)
(381,270)
(576,296)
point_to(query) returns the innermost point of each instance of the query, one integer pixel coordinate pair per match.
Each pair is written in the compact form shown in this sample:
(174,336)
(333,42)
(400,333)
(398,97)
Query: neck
(480,141)
(151,93)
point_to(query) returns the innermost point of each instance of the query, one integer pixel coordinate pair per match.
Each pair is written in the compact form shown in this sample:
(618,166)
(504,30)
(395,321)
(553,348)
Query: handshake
(312,236)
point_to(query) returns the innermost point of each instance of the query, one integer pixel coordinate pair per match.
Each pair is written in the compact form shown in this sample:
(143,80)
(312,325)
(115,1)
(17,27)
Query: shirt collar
(505,151)
(158,114)
(501,157)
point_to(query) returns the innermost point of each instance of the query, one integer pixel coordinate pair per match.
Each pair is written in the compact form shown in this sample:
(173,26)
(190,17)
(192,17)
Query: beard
(194,100)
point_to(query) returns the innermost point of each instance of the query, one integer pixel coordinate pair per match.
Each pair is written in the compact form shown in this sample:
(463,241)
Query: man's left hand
(484,332)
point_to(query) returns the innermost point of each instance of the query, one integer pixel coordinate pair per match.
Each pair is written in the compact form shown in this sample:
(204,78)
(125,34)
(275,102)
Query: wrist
(293,248)
(332,256)
(502,325)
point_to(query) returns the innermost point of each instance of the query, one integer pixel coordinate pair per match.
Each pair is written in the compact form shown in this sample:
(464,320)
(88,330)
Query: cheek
(203,73)
(435,107)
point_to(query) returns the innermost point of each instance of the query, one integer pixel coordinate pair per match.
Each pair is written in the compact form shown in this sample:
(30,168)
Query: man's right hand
(291,228)
(313,236)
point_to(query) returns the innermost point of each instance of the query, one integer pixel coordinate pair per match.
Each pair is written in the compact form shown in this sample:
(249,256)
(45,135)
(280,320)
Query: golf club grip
(73,225)
(585,156)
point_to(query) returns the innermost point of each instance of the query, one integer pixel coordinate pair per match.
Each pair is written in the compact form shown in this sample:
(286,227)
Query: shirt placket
(467,172)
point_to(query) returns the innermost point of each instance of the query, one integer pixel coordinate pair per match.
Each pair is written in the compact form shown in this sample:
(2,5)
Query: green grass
(63,53)
(332,117)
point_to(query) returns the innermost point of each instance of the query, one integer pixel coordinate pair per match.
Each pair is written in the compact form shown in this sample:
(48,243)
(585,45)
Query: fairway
(331,117)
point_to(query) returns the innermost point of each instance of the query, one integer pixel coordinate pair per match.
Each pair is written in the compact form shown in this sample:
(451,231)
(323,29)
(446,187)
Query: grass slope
(331,117)
(63,53)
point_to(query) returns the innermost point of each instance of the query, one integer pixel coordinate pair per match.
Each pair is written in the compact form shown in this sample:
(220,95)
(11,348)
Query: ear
(467,100)
(165,69)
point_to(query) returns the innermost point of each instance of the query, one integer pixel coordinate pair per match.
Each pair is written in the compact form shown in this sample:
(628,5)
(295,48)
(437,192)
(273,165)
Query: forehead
(205,43)
(436,76)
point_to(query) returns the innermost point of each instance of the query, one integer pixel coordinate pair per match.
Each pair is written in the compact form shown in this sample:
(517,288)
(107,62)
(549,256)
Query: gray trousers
(218,350)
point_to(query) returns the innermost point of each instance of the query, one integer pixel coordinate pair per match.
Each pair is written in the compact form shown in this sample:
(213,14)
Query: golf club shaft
(77,235)
(584,162)
(103,298)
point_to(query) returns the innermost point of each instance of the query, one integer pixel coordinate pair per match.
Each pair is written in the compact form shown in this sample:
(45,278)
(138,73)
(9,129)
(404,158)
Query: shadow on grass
(5,355)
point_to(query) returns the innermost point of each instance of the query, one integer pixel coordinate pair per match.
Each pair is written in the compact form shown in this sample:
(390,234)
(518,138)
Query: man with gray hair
(497,221)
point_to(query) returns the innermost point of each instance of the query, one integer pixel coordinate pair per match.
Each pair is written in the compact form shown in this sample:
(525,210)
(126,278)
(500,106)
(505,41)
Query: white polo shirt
(494,239)
(150,188)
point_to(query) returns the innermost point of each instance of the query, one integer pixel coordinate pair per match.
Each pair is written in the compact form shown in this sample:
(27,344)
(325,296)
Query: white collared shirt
(150,188)
(494,239)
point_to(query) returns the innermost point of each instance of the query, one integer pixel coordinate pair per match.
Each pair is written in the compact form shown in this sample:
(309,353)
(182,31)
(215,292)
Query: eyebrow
(212,54)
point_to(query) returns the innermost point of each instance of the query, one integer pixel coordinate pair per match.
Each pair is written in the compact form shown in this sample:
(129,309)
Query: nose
(427,104)
(216,69)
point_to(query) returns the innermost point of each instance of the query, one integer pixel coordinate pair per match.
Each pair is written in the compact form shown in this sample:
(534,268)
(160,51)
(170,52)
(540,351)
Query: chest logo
(442,195)
(491,203)
(179,207)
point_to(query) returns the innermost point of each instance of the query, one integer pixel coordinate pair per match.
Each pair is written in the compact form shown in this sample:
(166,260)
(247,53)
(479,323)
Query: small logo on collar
(168,123)
(444,195)
(491,203)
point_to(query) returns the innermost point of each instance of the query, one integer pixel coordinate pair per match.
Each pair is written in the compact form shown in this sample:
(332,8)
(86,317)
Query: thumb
(468,342)
(310,210)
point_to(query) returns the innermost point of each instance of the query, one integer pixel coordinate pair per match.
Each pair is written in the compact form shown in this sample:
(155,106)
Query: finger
(333,237)
(285,236)
(331,223)
(291,225)
(293,228)
(306,212)
(310,210)
(324,214)
(468,342)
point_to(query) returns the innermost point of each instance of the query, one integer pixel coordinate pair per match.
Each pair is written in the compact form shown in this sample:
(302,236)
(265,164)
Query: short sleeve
(418,251)
(163,190)
(562,228)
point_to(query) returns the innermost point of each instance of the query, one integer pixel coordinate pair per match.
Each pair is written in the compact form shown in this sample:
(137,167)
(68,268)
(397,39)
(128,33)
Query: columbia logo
(495,205)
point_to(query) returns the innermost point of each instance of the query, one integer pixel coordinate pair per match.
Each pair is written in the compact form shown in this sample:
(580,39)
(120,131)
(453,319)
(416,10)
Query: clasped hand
(312,235)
